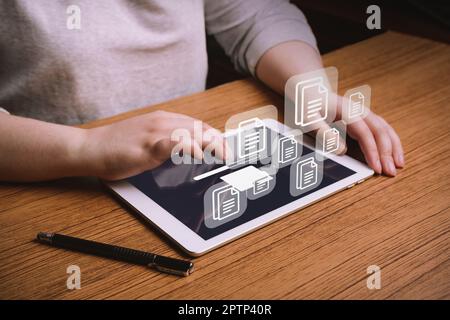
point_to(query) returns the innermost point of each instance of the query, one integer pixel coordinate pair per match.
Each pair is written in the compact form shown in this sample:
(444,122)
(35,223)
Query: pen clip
(172,265)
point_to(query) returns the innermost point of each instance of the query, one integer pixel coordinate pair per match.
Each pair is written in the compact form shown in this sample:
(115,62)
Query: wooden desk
(400,224)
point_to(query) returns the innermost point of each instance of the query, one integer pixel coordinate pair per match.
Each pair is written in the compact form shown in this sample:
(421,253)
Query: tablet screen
(174,189)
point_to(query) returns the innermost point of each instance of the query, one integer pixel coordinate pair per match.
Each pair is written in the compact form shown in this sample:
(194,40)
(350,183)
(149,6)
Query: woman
(126,54)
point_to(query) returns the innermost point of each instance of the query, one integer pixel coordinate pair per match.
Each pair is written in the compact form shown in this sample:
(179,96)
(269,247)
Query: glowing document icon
(261,185)
(251,138)
(311,101)
(355,105)
(306,173)
(225,202)
(287,149)
(330,140)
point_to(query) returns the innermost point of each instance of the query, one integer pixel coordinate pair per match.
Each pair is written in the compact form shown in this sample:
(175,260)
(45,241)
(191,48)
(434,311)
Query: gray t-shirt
(127,54)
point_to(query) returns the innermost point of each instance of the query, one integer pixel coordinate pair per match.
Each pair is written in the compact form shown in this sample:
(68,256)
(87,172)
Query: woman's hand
(379,143)
(132,146)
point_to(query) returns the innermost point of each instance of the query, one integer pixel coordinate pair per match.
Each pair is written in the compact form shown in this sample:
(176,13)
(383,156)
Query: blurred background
(340,23)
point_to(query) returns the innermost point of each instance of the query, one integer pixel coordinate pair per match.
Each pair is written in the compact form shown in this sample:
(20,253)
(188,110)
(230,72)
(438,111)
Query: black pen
(164,264)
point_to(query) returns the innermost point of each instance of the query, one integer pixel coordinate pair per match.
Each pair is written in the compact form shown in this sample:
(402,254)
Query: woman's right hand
(134,145)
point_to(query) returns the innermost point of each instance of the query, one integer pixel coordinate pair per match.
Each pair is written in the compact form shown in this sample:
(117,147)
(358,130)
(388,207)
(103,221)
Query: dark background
(339,23)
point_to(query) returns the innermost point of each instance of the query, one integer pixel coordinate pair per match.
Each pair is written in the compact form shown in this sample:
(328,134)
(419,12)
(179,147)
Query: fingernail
(391,167)
(401,160)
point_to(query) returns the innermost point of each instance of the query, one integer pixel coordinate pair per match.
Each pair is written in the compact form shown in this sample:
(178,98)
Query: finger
(204,135)
(162,150)
(361,132)
(208,137)
(214,143)
(384,145)
(399,157)
(194,149)
(165,148)
(397,148)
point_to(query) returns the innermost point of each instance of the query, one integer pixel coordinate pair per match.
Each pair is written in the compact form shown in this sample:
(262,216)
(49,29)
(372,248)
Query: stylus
(161,263)
(224,167)
(210,173)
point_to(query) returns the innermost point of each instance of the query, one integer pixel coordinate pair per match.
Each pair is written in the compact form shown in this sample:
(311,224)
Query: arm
(33,150)
(271,40)
(378,141)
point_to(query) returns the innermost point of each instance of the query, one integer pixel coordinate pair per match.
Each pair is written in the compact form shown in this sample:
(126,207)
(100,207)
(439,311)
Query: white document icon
(330,140)
(306,173)
(225,202)
(287,149)
(311,101)
(261,185)
(251,138)
(355,105)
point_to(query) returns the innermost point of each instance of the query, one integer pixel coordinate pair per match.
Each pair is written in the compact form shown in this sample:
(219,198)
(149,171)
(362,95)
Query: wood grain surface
(400,224)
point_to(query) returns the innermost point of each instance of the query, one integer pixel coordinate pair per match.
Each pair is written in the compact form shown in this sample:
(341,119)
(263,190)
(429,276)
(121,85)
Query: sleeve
(246,29)
(3,110)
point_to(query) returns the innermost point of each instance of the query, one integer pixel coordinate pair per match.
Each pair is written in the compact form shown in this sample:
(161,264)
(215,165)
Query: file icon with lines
(311,101)
(306,173)
(225,202)
(261,185)
(251,138)
(287,149)
(356,105)
(330,140)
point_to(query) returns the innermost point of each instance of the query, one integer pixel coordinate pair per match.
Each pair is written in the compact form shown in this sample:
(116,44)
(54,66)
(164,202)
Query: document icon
(306,173)
(330,140)
(287,149)
(355,105)
(311,101)
(261,185)
(225,202)
(251,137)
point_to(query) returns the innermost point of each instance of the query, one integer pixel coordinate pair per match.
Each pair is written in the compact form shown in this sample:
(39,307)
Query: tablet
(172,196)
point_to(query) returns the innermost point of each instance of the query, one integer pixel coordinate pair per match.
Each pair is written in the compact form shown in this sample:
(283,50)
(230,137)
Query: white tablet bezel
(193,244)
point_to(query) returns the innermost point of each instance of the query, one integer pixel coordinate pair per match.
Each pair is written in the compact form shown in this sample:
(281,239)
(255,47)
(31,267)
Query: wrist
(83,155)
